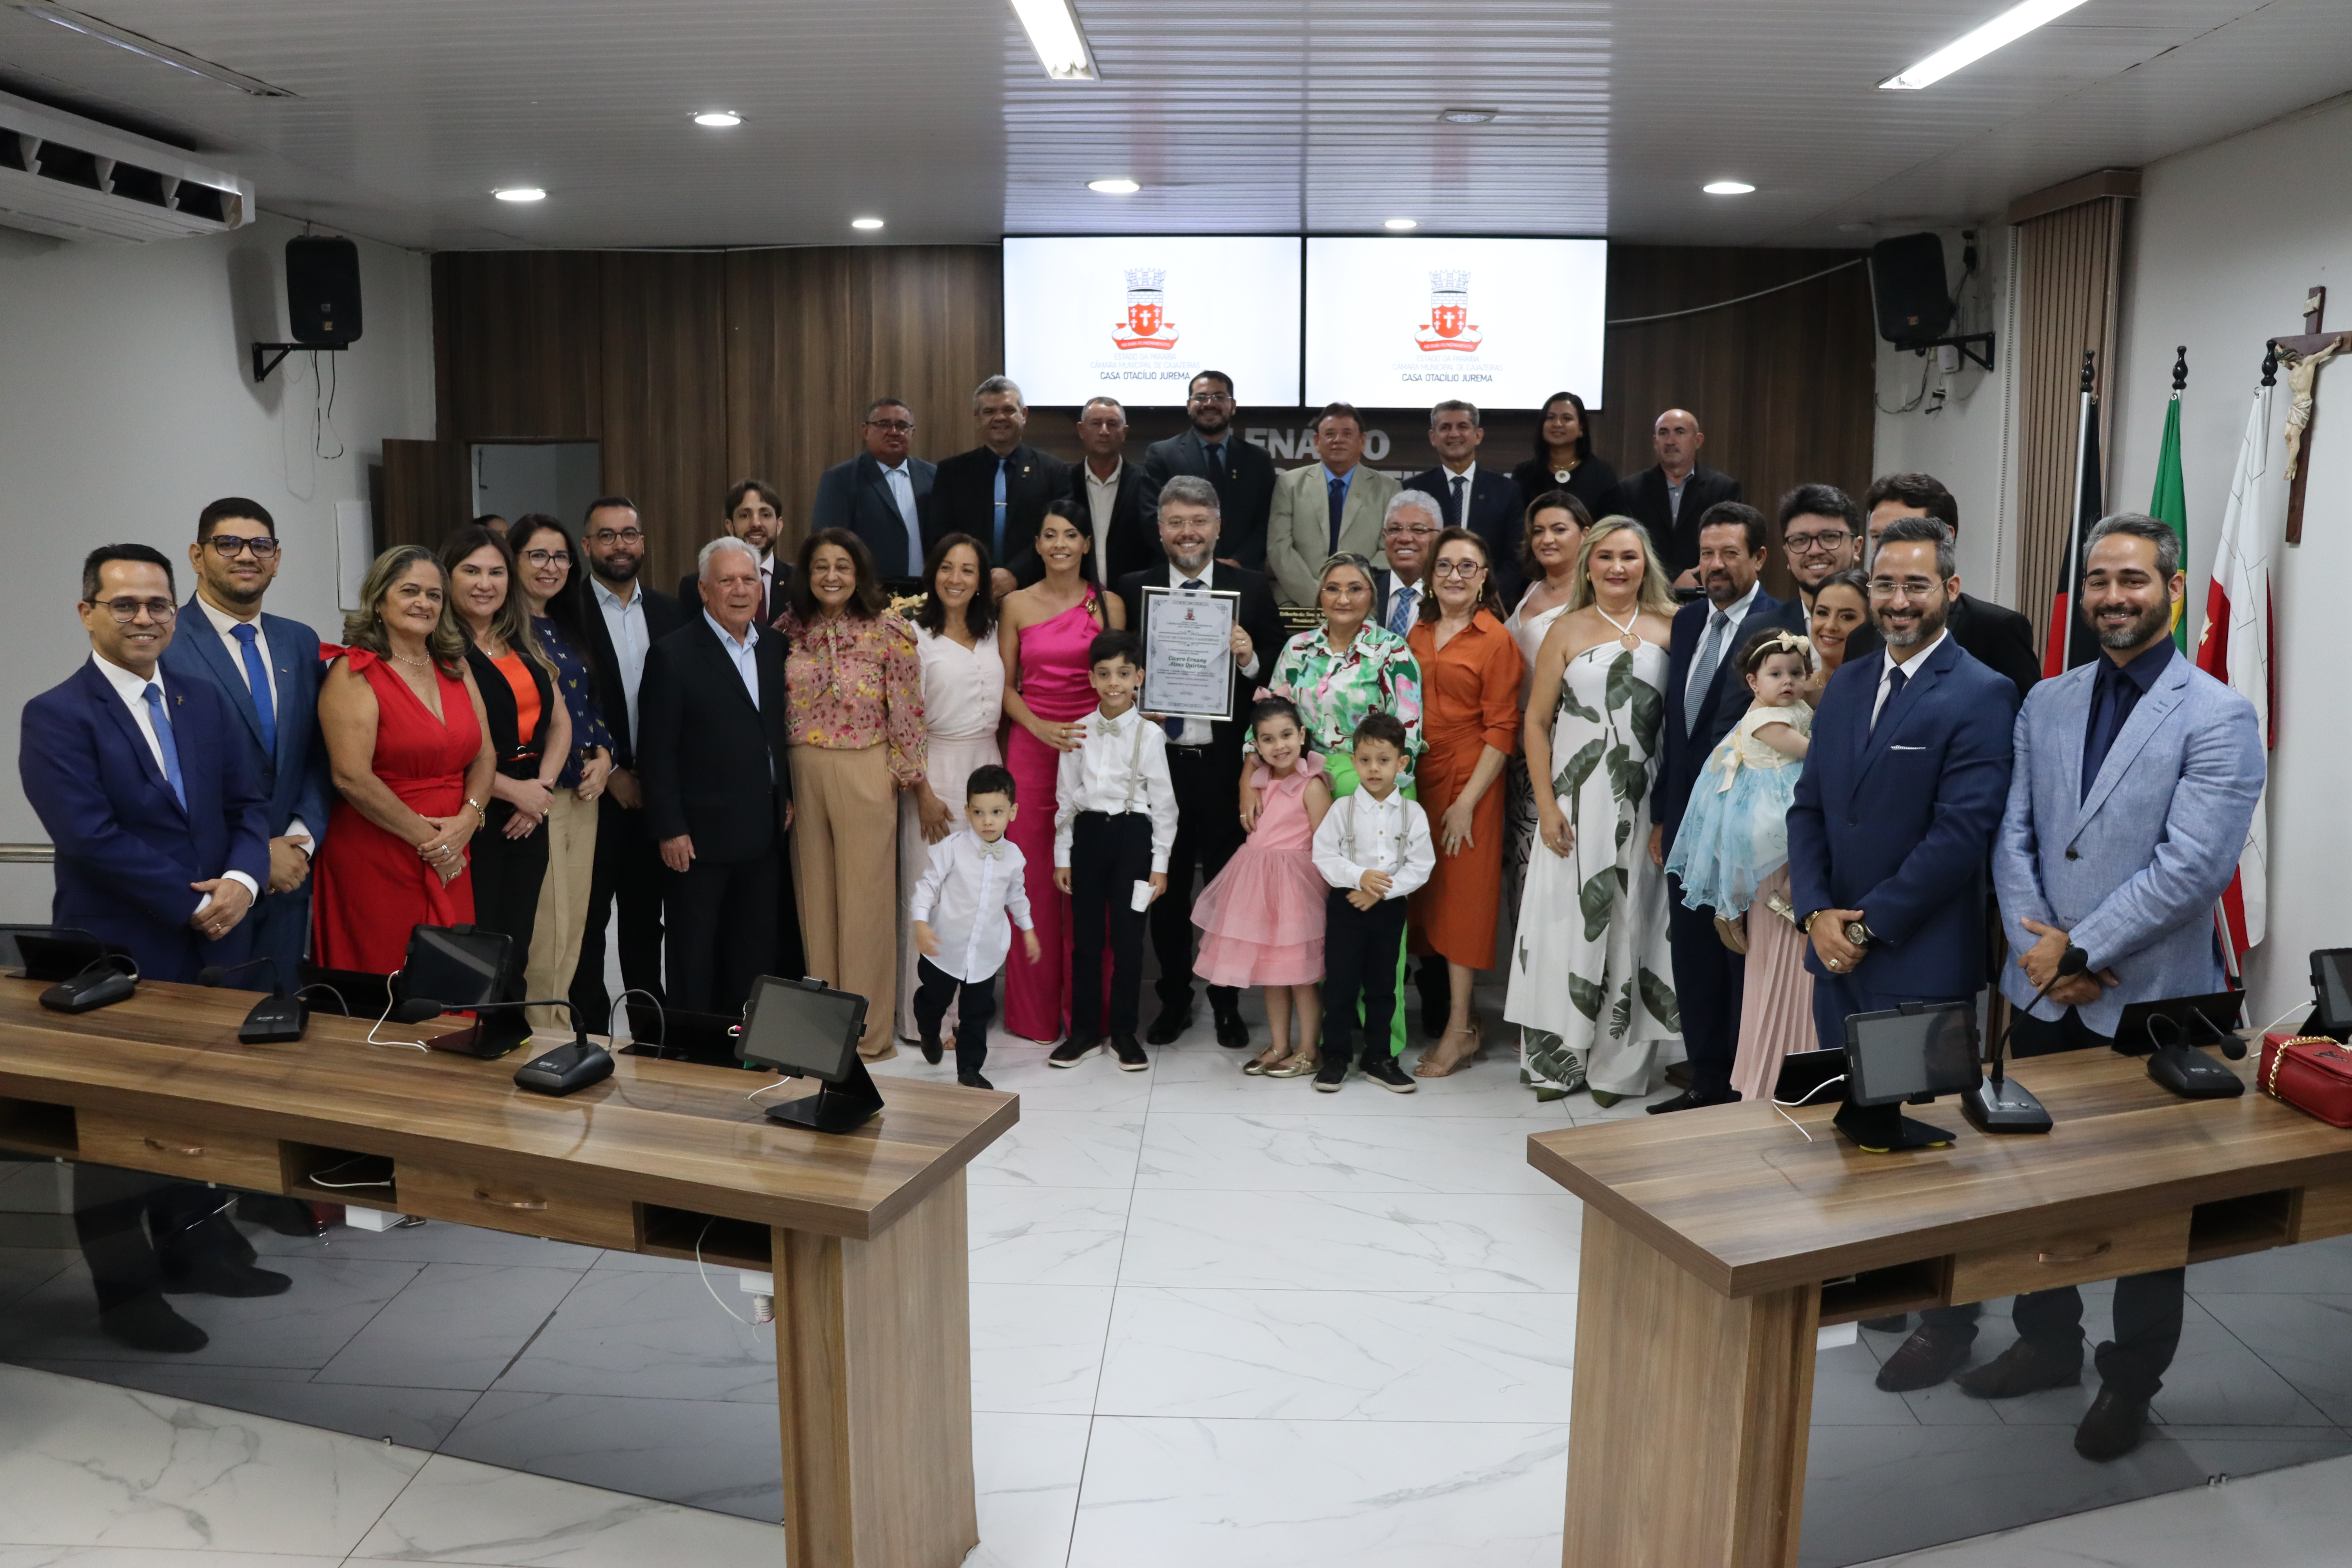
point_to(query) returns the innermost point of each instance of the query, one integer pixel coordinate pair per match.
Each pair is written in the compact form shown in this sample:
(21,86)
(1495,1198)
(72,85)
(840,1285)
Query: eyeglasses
(609,537)
(125,611)
(550,557)
(1457,569)
(901,425)
(1909,587)
(1210,397)
(1400,531)
(1806,543)
(228,546)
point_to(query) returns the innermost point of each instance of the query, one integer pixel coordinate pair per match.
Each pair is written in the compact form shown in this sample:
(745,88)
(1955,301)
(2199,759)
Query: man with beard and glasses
(883,495)
(1213,450)
(1821,536)
(754,514)
(2136,777)
(628,617)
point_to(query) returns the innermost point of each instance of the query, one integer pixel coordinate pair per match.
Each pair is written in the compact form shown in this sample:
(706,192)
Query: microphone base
(566,1069)
(275,1020)
(2193,1075)
(2007,1106)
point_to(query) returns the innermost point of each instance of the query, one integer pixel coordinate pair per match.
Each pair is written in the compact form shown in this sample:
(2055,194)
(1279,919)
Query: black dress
(507,871)
(1593,481)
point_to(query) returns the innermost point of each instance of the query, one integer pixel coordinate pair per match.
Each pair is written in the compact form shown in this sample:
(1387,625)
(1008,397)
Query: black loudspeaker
(1907,282)
(322,291)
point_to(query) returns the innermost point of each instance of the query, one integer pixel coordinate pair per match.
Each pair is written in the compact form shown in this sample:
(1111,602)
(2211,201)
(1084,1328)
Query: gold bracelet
(481,817)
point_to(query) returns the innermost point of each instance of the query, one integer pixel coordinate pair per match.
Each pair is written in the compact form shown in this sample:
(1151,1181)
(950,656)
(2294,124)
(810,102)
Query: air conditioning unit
(63,175)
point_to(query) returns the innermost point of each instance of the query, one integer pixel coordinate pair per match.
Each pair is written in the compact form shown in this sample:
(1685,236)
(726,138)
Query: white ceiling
(1237,115)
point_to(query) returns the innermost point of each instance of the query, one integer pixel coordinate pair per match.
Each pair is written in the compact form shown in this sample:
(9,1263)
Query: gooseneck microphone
(278,1017)
(1996,1105)
(563,1071)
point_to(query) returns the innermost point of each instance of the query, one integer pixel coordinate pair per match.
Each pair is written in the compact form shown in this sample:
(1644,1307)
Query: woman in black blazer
(1564,459)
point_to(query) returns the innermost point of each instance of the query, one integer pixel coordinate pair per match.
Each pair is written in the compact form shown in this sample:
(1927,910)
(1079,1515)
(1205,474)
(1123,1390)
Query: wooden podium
(1718,1242)
(864,1231)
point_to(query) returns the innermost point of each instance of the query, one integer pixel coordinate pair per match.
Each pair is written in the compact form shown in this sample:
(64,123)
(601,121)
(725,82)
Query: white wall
(127,402)
(2221,251)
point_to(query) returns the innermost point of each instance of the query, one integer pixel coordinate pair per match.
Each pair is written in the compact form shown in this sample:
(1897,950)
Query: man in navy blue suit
(1484,500)
(1903,791)
(882,495)
(267,667)
(146,788)
(1704,697)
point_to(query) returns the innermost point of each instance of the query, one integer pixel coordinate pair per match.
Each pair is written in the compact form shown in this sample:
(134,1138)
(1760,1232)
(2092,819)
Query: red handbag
(2310,1072)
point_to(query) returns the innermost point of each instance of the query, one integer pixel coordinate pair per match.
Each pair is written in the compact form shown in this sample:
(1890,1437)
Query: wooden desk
(864,1232)
(1716,1243)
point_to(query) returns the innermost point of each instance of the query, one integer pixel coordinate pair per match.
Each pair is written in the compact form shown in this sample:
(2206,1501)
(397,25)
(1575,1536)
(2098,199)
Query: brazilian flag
(2171,506)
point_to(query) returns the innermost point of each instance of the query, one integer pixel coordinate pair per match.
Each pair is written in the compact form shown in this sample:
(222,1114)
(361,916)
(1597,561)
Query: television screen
(1136,317)
(1407,322)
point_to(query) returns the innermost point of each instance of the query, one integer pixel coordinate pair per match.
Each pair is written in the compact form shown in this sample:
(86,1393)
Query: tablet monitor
(2331,989)
(50,954)
(803,1026)
(2143,1026)
(1917,1050)
(458,966)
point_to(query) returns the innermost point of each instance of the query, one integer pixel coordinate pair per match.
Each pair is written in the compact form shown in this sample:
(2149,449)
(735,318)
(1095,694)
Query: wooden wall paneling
(428,491)
(664,399)
(519,345)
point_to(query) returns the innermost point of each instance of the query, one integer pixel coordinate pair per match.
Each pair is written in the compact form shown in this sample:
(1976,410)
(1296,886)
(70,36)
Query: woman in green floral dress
(1592,980)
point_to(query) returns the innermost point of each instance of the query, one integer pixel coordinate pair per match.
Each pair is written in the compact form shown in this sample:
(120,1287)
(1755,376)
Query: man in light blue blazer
(2136,775)
(266,668)
(882,495)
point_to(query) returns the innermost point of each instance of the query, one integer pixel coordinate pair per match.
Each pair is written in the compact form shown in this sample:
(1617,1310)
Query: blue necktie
(256,674)
(1217,462)
(163,723)
(2106,708)
(1460,500)
(1895,682)
(1401,615)
(1338,508)
(1702,674)
(1001,465)
(1175,726)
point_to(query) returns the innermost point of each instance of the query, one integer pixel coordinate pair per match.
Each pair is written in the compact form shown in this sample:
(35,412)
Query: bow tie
(990,851)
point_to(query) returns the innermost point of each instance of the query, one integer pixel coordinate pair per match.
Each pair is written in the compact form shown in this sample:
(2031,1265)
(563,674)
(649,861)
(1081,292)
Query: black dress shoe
(1683,1101)
(1173,1020)
(933,1051)
(148,1323)
(973,1081)
(1679,1075)
(1924,1360)
(2023,1368)
(2111,1428)
(219,1276)
(1232,1033)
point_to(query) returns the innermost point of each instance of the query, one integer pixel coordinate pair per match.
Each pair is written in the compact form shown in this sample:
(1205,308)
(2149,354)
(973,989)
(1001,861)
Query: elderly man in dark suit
(711,737)
(1672,497)
(1213,450)
(883,495)
(1204,756)
(1704,697)
(1112,490)
(1994,634)
(998,491)
(1482,500)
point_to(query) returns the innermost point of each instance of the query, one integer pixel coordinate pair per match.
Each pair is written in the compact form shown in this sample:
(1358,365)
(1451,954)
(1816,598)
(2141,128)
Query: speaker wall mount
(322,300)
(1914,306)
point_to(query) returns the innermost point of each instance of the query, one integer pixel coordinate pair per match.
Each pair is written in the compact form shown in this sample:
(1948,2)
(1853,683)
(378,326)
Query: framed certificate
(1188,652)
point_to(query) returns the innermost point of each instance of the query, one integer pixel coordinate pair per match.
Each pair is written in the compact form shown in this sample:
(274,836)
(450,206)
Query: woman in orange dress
(1470,672)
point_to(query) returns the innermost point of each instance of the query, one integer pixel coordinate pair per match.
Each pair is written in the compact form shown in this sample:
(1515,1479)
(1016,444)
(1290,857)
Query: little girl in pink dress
(1262,918)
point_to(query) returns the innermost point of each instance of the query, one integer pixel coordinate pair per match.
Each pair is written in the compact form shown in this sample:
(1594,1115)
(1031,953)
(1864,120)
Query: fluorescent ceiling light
(147,48)
(2008,27)
(520,193)
(1728,188)
(1402,223)
(719,119)
(1053,29)
(1116,186)
(865,223)
(1467,116)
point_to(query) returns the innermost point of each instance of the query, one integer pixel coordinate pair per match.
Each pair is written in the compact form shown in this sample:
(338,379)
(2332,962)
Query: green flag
(2170,505)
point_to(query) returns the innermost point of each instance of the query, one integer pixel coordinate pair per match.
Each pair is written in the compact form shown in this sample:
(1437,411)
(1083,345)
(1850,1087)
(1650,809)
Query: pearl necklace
(420,663)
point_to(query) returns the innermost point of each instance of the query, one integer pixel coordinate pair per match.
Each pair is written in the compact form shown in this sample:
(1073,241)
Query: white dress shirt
(1469,478)
(1102,502)
(901,484)
(625,623)
(226,624)
(741,655)
(1196,730)
(1121,766)
(971,887)
(1722,624)
(1909,666)
(1360,834)
(133,693)
(1404,605)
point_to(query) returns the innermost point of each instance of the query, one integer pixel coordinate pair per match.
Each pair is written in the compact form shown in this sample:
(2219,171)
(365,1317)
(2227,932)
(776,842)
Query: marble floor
(1215,1319)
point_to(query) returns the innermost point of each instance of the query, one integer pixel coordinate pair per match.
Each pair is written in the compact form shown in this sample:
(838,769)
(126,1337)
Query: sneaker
(973,1081)
(1072,1051)
(1382,1070)
(1129,1053)
(1330,1073)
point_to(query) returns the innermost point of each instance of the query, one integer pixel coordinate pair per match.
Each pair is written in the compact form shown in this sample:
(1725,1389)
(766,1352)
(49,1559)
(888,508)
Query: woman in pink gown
(1044,632)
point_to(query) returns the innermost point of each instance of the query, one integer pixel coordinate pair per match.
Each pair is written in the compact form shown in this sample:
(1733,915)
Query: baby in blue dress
(1735,832)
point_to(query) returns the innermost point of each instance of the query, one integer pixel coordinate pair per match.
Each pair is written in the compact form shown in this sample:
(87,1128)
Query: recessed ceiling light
(865,223)
(719,119)
(147,48)
(1402,223)
(1053,29)
(520,194)
(1116,186)
(2006,28)
(1467,116)
(1728,188)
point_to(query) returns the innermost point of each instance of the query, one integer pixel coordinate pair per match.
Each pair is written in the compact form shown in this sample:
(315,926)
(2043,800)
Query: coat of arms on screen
(1449,325)
(1146,324)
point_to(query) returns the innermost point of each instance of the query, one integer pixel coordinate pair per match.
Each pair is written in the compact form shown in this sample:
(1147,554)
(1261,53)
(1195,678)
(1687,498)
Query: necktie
(1895,680)
(1002,465)
(256,674)
(1711,654)
(1338,508)
(1460,500)
(1217,462)
(1400,608)
(2106,694)
(163,723)
(1175,726)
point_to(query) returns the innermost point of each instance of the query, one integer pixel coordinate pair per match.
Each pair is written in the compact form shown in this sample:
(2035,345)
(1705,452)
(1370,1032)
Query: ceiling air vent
(73,178)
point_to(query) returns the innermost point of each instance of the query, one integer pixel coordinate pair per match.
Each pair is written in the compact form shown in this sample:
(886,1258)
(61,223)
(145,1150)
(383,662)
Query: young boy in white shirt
(1114,827)
(1374,849)
(974,882)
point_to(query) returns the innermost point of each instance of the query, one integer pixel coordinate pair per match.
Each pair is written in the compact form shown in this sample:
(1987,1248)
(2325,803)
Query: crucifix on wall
(2302,355)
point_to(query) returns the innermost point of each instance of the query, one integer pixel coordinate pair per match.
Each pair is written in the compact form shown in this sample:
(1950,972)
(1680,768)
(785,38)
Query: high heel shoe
(1431,1066)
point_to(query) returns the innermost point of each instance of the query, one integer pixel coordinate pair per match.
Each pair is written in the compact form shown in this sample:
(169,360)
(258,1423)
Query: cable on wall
(1742,299)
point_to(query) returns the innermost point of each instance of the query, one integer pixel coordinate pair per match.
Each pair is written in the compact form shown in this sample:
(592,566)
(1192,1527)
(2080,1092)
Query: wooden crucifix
(2304,354)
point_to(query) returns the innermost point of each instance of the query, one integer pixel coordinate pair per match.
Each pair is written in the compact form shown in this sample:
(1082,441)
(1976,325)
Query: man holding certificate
(1210,633)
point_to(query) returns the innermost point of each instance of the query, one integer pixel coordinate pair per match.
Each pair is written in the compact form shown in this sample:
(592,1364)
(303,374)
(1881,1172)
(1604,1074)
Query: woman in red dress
(408,745)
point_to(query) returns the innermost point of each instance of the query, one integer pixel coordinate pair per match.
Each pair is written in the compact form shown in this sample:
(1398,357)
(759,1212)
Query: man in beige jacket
(1325,507)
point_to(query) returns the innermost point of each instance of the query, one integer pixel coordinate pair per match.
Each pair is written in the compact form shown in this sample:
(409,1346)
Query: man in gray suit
(884,497)
(1325,507)
(2136,777)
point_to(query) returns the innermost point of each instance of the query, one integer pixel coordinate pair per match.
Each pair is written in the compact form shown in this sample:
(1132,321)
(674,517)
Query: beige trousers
(571,830)
(845,878)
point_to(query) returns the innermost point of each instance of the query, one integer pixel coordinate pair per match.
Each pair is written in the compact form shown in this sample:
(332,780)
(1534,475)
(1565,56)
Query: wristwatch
(1805,925)
(1859,934)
